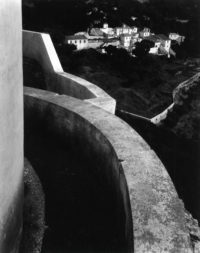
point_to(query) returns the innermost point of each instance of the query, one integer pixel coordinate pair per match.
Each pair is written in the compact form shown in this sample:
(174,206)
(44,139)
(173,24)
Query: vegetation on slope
(140,85)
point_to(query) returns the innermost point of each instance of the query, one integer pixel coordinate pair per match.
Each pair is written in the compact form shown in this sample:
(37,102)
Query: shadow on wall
(33,74)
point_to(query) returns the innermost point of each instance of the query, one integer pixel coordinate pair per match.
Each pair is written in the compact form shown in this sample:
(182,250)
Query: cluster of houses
(124,37)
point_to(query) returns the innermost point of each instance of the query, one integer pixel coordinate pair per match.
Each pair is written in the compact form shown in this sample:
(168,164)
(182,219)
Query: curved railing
(153,215)
(39,46)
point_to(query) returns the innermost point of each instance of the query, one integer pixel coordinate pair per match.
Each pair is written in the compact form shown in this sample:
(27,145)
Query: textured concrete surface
(11,126)
(39,46)
(33,74)
(154,218)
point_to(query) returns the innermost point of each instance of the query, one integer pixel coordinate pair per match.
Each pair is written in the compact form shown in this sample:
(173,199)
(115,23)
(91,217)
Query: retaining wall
(177,92)
(163,115)
(153,215)
(39,46)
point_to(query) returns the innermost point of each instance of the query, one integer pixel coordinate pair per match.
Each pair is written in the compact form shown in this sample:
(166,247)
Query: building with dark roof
(162,44)
(176,37)
(96,32)
(145,32)
(80,41)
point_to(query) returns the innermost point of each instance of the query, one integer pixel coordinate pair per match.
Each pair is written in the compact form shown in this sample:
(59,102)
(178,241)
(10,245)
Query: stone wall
(11,126)
(152,215)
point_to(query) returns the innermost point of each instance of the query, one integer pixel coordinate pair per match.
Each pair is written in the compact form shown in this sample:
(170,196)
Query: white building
(162,44)
(134,29)
(125,30)
(126,40)
(107,30)
(145,33)
(80,41)
(176,37)
(165,42)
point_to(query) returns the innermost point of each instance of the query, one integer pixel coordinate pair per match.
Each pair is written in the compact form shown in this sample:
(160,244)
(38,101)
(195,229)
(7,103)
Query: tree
(142,48)
(65,50)
(110,50)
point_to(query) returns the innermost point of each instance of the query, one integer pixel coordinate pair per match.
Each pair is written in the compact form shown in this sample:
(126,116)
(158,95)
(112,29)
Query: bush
(142,48)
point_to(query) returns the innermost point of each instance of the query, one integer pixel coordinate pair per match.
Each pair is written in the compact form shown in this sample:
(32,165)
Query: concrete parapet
(152,215)
(39,46)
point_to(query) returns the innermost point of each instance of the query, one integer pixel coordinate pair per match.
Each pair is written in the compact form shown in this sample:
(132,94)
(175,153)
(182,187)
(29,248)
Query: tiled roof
(126,35)
(146,29)
(152,38)
(156,38)
(111,40)
(162,36)
(96,32)
(76,37)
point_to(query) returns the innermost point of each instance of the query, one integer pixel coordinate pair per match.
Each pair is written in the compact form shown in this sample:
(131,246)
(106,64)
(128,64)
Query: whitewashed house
(134,29)
(107,30)
(156,46)
(80,41)
(162,44)
(165,42)
(125,30)
(126,40)
(176,37)
(146,32)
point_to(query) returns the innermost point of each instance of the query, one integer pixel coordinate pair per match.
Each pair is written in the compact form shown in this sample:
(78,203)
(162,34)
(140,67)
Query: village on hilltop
(124,37)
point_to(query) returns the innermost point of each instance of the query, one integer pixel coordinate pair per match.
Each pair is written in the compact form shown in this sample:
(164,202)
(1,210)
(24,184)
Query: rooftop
(157,38)
(162,36)
(96,32)
(126,35)
(76,37)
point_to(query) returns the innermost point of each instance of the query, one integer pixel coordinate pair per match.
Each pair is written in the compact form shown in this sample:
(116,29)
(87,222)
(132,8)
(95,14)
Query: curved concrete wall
(11,126)
(154,218)
(40,47)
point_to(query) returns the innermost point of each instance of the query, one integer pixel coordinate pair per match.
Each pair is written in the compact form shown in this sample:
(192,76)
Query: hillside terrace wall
(158,119)
(39,46)
(154,219)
